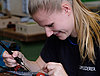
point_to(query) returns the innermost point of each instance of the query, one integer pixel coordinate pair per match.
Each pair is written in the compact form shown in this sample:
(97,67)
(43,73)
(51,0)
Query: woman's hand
(9,59)
(54,69)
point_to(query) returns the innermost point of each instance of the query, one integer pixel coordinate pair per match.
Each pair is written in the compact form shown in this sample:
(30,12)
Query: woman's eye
(51,25)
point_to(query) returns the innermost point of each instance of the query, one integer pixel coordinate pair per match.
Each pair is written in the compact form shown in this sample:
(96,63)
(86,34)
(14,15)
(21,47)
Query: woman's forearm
(31,65)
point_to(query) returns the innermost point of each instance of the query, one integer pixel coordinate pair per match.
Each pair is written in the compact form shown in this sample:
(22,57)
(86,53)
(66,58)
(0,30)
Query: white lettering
(87,68)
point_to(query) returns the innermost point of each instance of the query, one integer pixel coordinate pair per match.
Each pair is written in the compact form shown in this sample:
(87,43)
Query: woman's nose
(48,31)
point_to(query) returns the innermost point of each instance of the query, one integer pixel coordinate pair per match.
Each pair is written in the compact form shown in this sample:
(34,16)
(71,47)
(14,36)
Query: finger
(51,73)
(51,65)
(10,60)
(48,67)
(45,69)
(15,54)
(11,65)
(6,54)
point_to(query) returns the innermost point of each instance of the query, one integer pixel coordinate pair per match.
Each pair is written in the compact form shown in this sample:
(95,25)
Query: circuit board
(19,73)
(5,72)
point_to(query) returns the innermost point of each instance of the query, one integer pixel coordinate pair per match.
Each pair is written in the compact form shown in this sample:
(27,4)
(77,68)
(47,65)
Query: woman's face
(60,24)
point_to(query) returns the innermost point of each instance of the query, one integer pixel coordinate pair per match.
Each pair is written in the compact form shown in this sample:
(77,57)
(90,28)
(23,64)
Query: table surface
(10,33)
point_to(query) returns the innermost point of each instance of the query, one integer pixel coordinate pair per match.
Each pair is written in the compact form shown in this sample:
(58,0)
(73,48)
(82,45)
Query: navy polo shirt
(67,53)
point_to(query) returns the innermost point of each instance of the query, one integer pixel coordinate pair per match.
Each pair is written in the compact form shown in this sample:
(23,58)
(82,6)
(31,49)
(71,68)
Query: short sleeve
(49,51)
(1,58)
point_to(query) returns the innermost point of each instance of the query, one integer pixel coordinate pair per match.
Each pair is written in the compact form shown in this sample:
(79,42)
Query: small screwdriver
(18,60)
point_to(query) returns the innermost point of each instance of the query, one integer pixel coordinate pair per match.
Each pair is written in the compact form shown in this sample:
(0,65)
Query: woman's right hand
(9,59)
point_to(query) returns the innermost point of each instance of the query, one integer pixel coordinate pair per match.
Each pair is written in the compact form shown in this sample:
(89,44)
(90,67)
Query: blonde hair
(88,30)
(85,23)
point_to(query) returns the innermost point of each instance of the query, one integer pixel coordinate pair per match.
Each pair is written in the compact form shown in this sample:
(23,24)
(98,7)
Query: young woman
(73,44)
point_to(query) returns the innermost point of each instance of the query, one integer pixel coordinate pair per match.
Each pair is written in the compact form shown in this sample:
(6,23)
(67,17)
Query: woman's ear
(66,7)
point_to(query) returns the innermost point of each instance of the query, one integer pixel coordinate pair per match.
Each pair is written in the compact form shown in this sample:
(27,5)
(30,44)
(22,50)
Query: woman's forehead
(40,15)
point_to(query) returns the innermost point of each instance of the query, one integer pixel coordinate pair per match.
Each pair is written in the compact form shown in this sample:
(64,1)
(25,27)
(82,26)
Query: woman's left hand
(54,69)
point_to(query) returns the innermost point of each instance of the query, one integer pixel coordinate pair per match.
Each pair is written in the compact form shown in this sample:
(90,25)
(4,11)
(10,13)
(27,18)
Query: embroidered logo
(87,68)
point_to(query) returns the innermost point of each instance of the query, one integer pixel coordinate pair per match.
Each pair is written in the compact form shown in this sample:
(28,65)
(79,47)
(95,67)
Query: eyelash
(50,25)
